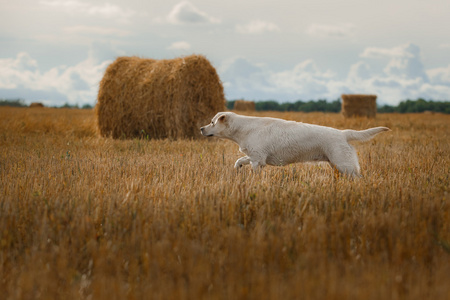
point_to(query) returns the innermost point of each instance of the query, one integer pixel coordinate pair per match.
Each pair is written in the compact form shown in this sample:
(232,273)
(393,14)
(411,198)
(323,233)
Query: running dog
(277,142)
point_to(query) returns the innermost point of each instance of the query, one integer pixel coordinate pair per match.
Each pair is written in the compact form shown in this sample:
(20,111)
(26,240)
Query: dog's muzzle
(203,133)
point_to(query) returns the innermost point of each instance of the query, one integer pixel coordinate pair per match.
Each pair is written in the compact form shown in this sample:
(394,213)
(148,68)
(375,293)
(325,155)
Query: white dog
(278,142)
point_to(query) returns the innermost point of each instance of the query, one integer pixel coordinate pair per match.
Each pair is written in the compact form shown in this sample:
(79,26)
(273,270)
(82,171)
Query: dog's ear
(222,118)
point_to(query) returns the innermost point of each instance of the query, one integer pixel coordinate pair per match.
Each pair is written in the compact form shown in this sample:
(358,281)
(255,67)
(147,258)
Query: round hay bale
(243,105)
(36,104)
(158,98)
(359,106)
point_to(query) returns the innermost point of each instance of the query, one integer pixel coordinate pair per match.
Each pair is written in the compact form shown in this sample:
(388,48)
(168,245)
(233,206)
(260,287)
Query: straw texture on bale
(158,98)
(243,105)
(36,104)
(359,106)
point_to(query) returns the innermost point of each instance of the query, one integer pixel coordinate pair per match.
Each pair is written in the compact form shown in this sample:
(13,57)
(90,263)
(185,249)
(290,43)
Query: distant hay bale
(359,106)
(36,104)
(158,98)
(243,105)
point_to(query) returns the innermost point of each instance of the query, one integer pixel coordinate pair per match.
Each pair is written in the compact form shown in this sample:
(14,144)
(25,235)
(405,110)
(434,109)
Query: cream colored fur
(277,142)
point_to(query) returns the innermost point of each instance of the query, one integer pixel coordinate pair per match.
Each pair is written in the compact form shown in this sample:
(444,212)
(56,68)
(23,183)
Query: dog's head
(219,125)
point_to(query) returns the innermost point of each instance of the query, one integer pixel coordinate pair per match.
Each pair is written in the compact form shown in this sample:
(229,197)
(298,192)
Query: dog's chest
(243,150)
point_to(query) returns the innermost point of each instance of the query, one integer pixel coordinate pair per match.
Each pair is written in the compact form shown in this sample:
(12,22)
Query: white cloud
(333,31)
(396,77)
(95,30)
(243,79)
(403,78)
(406,50)
(360,71)
(67,4)
(186,13)
(105,10)
(257,27)
(179,46)
(304,80)
(79,83)
(404,61)
(239,67)
(434,92)
(440,76)
(110,11)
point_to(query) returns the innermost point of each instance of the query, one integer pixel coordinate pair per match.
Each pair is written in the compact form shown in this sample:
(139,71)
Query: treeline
(13,102)
(320,105)
(408,106)
(67,105)
(21,103)
(417,106)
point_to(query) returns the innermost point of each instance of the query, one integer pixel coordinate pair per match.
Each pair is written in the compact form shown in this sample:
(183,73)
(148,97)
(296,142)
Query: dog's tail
(363,135)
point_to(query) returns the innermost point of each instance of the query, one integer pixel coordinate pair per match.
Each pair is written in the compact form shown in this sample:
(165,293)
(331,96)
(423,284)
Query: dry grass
(83,217)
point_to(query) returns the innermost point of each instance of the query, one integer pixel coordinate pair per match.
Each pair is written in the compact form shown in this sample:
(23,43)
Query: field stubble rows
(91,218)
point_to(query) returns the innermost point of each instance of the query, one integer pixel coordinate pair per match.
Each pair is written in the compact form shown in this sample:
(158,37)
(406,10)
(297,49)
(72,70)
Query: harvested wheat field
(86,217)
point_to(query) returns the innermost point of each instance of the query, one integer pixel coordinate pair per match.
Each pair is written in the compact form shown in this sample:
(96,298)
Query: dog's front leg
(256,165)
(242,161)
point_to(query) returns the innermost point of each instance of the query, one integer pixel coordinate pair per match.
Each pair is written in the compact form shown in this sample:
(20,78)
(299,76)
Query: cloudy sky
(56,51)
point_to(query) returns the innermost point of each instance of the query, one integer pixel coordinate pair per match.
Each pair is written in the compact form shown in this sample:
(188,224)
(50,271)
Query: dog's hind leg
(345,161)
(347,169)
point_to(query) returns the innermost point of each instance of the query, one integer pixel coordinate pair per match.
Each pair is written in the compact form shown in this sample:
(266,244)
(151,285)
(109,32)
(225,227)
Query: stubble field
(84,217)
